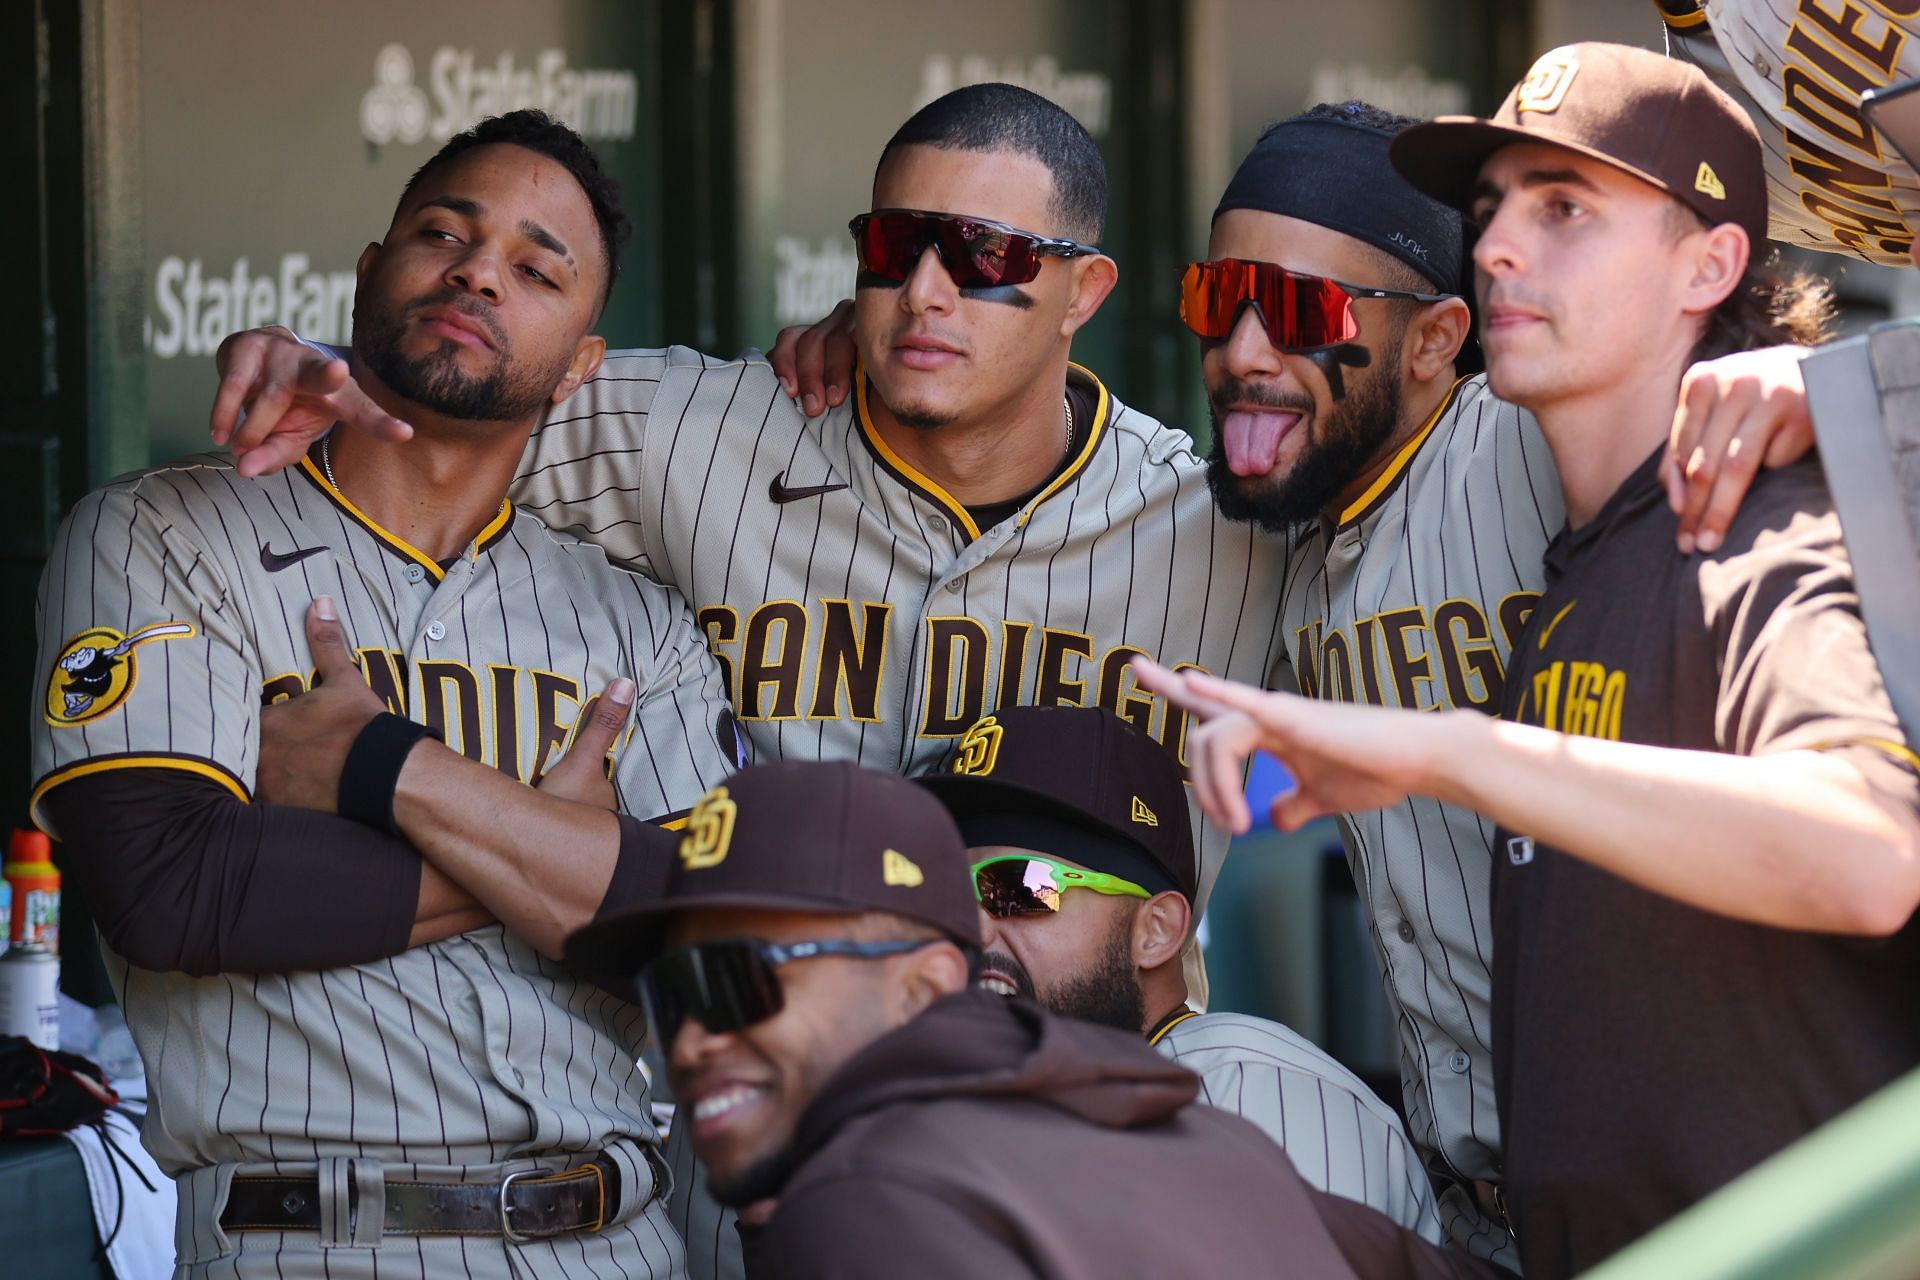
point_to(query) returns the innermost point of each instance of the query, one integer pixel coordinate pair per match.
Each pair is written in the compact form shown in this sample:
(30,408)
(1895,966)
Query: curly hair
(542,134)
(1772,305)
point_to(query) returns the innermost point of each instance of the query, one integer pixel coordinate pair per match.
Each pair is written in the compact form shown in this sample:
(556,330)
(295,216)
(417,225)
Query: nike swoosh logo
(779,492)
(273,562)
(1546,632)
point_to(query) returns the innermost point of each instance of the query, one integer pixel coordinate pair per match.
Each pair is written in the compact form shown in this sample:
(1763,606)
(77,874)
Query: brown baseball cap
(1654,117)
(828,838)
(1079,783)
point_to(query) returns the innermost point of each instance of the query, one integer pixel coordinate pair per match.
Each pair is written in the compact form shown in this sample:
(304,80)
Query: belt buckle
(506,1220)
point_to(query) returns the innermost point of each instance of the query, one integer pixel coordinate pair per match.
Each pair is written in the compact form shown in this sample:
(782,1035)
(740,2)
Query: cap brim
(619,946)
(1442,158)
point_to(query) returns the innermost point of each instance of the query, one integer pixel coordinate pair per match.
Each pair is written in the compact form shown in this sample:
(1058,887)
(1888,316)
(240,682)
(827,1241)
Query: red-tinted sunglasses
(976,253)
(1300,312)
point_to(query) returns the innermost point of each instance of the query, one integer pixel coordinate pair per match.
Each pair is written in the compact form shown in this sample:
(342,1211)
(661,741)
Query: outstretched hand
(815,362)
(304,740)
(277,396)
(581,774)
(1343,758)
(1736,414)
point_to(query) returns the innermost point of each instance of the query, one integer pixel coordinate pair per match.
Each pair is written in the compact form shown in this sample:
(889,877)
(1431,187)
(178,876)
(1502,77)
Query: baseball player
(1706,783)
(1086,894)
(355,1071)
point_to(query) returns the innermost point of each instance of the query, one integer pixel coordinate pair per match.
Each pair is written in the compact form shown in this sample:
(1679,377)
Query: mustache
(1506,295)
(1233,391)
(1008,967)
(467,306)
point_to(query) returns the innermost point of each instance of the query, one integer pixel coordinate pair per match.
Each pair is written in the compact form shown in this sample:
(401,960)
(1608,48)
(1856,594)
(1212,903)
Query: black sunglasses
(730,984)
(977,254)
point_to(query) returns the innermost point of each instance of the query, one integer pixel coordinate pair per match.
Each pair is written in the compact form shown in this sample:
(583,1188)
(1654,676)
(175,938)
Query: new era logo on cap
(897,869)
(1708,183)
(1142,814)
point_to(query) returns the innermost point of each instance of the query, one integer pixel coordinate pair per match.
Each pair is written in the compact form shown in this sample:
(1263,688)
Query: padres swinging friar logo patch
(96,671)
(1546,85)
(980,748)
(709,831)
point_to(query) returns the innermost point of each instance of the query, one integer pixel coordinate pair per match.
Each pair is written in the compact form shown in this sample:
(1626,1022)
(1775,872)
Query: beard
(919,419)
(435,380)
(1339,448)
(1109,993)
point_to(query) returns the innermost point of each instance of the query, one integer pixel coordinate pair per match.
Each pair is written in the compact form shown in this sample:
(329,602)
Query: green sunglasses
(1027,884)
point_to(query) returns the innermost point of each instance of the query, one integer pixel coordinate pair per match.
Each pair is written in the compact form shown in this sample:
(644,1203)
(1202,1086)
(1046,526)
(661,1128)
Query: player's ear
(1717,258)
(1093,279)
(930,973)
(368,256)
(1160,930)
(587,355)
(1434,337)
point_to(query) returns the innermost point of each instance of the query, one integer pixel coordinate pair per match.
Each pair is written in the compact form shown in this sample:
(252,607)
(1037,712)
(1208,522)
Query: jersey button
(414,573)
(1458,1062)
(954,585)
(1406,931)
(436,630)
(938,521)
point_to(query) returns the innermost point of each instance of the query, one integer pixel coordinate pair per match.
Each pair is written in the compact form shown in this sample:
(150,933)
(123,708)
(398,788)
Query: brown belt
(530,1205)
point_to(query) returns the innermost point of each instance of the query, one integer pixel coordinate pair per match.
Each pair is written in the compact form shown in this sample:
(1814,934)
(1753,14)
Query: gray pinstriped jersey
(462,1058)
(1799,68)
(1340,1136)
(1413,600)
(872,621)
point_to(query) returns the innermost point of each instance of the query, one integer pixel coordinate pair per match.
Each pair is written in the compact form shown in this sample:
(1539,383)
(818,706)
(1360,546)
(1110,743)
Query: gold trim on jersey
(1681,15)
(1086,452)
(1898,751)
(934,493)
(1160,1032)
(489,534)
(1396,468)
(133,760)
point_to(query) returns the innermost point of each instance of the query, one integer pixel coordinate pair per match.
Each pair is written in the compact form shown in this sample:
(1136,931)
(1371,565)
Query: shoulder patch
(96,670)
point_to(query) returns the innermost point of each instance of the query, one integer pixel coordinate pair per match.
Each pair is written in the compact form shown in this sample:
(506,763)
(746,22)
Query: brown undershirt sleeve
(640,875)
(182,876)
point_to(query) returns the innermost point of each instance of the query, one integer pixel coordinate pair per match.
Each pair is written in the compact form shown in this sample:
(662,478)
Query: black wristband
(371,773)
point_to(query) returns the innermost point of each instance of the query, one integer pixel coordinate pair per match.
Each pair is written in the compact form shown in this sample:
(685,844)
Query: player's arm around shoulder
(596,464)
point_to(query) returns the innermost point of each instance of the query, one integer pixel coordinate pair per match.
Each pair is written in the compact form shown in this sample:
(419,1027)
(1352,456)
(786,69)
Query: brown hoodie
(989,1138)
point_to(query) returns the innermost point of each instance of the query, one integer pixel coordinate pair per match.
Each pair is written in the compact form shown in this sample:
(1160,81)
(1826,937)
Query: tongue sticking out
(1252,440)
